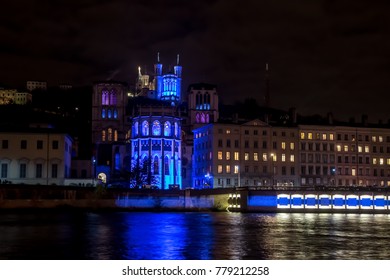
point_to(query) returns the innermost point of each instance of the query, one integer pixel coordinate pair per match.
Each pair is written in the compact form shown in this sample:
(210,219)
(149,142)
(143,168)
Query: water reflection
(87,235)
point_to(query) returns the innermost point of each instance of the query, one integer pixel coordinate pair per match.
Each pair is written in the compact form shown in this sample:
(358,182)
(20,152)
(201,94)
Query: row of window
(23,170)
(342,137)
(109,113)
(235,169)
(156,128)
(109,97)
(254,156)
(255,132)
(5,144)
(109,135)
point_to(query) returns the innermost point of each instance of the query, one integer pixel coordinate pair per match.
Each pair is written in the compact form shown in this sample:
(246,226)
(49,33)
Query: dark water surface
(123,235)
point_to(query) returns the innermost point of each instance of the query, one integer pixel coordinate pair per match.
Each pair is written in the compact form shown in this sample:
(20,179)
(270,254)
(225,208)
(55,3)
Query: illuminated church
(129,129)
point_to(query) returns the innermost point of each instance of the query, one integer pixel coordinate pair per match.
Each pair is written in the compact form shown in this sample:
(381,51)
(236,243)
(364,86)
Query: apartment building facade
(257,154)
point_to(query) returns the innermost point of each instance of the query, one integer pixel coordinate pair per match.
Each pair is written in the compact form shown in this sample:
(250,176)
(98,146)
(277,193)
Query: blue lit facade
(158,139)
(168,86)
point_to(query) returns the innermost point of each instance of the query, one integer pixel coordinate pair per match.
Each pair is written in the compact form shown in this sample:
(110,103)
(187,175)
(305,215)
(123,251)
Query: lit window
(236,156)
(283,145)
(283,157)
(380,138)
(345,148)
(115,135)
(246,156)
(302,135)
(227,131)
(374,161)
(367,149)
(109,134)
(292,158)
(227,155)
(381,161)
(292,146)
(264,157)
(219,155)
(360,149)
(310,135)
(236,167)
(373,138)
(227,168)
(156,128)
(353,172)
(219,169)
(167,129)
(273,156)
(323,136)
(103,136)
(338,148)
(331,136)
(255,156)
(145,128)
(388,161)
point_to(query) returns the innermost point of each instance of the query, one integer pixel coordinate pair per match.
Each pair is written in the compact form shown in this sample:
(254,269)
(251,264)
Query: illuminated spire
(139,71)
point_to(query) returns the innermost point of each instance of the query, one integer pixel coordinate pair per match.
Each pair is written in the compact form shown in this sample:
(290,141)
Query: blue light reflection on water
(121,235)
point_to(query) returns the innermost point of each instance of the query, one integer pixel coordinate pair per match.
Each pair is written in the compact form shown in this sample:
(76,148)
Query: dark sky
(325,55)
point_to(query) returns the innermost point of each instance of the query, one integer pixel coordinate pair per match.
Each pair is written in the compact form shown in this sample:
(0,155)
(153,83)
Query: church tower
(202,104)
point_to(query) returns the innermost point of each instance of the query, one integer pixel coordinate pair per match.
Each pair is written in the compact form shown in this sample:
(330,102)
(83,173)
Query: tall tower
(202,104)
(158,77)
(168,86)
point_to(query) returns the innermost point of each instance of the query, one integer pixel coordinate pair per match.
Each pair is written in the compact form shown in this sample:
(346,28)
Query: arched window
(176,129)
(103,136)
(115,135)
(109,115)
(113,97)
(202,118)
(115,113)
(145,128)
(103,113)
(156,128)
(166,165)
(135,129)
(167,129)
(110,134)
(104,97)
(197,118)
(155,165)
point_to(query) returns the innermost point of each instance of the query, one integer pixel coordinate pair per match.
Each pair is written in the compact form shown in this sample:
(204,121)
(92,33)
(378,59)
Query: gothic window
(113,97)
(115,113)
(176,129)
(202,118)
(103,113)
(156,128)
(155,165)
(104,97)
(197,118)
(135,128)
(145,128)
(103,136)
(110,134)
(166,165)
(167,129)
(109,115)
(115,135)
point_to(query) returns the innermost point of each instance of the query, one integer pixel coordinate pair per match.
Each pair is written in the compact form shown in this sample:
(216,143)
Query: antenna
(158,57)
(267,93)
(178,56)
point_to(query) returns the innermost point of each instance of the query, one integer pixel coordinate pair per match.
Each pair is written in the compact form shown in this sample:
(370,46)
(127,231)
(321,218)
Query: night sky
(326,55)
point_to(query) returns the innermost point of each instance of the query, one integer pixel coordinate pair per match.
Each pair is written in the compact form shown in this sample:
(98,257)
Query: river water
(62,235)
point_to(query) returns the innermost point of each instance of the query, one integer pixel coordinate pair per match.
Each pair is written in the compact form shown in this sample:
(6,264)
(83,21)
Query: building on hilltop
(12,96)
